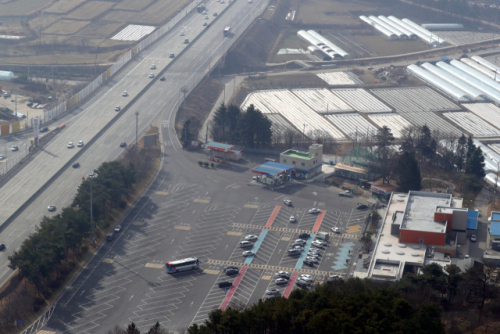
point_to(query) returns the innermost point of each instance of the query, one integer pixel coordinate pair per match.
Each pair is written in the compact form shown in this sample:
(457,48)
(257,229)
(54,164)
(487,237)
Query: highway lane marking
(211,271)
(238,234)
(251,206)
(138,223)
(162,193)
(131,298)
(180,227)
(199,200)
(273,268)
(108,260)
(155,265)
(229,186)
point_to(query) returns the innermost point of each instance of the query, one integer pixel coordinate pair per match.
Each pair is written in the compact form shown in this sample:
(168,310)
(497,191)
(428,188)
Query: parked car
(230,267)
(76,165)
(301,284)
(284,274)
(51,208)
(318,243)
(248,253)
(314,210)
(292,219)
(232,271)
(361,206)
(272,292)
(304,235)
(2,157)
(224,284)
(288,202)
(332,278)
(473,238)
(14,148)
(281,280)
(309,263)
(123,144)
(335,230)
(251,237)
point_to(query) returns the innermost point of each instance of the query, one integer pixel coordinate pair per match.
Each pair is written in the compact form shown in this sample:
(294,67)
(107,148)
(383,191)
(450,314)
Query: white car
(288,202)
(151,75)
(2,157)
(318,243)
(306,277)
(118,228)
(281,280)
(117,108)
(292,219)
(153,67)
(272,292)
(14,148)
(80,143)
(51,208)
(312,258)
(124,93)
(284,274)
(70,145)
(182,33)
(297,247)
(248,253)
(206,17)
(251,237)
(335,230)
(314,210)
(299,242)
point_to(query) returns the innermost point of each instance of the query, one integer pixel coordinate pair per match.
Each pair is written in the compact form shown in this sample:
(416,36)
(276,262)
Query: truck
(226,31)
(323,236)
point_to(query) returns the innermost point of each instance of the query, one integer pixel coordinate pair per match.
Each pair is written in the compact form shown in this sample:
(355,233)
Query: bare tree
(290,137)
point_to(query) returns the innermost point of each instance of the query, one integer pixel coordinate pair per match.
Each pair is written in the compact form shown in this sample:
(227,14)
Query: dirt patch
(66,27)
(64,6)
(385,47)
(198,105)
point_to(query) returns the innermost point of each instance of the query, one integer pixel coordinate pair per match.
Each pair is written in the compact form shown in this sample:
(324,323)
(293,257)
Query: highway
(187,211)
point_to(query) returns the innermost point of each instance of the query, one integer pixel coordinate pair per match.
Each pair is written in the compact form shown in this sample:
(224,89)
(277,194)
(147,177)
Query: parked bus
(182,265)
(226,31)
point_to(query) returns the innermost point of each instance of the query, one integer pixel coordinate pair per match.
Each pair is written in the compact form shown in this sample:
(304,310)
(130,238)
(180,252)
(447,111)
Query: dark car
(224,284)
(232,271)
(361,206)
(44,129)
(76,165)
(162,78)
(304,235)
(123,144)
(309,263)
(230,267)
(2,247)
(301,284)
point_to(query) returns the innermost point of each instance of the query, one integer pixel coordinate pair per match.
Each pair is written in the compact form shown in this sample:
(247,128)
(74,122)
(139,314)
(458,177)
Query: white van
(245,244)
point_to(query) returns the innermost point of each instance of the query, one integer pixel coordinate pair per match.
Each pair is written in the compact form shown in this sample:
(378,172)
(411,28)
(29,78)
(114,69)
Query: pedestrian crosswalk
(211,271)
(251,206)
(155,265)
(267,277)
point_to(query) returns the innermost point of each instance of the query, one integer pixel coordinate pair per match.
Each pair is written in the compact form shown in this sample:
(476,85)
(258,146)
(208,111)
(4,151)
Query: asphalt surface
(161,97)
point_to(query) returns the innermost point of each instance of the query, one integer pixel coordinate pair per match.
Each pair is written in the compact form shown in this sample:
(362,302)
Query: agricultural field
(71,29)
(331,12)
(385,47)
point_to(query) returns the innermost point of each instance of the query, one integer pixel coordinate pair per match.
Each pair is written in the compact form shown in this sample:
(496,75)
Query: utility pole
(136,126)
(91,177)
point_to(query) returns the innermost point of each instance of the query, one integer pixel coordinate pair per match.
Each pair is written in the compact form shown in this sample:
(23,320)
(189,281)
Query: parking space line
(304,252)
(238,234)
(319,220)
(256,246)
(230,294)
(290,285)
(273,216)
(202,201)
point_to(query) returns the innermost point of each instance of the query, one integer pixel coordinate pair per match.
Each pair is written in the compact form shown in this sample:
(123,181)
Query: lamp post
(136,126)
(91,177)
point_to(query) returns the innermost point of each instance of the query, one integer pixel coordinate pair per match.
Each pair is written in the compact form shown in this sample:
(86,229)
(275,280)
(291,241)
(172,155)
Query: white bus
(182,265)
(226,31)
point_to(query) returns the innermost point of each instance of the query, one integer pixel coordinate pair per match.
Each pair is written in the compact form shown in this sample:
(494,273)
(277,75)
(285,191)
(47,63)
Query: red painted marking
(319,220)
(233,289)
(290,285)
(273,216)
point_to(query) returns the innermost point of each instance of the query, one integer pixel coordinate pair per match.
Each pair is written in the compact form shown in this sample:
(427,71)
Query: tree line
(47,256)
(250,128)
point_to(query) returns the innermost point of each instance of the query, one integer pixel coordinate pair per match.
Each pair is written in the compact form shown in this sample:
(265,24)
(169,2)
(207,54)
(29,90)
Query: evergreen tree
(254,128)
(460,152)
(187,136)
(384,155)
(426,144)
(475,164)
(221,119)
(233,114)
(132,329)
(409,173)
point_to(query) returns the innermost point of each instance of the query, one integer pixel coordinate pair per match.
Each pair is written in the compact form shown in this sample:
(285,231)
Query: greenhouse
(6,75)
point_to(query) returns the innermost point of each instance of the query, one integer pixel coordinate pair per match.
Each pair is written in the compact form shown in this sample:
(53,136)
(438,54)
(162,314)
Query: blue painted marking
(343,255)
(304,252)
(256,246)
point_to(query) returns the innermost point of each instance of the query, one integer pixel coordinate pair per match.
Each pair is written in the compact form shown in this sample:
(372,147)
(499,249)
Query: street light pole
(136,126)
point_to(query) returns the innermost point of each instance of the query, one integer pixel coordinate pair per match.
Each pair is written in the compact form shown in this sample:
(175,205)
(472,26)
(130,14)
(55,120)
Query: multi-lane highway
(187,211)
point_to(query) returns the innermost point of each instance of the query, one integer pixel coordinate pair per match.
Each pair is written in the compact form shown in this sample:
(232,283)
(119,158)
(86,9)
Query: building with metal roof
(328,43)
(320,45)
(452,91)
(384,31)
(481,69)
(443,26)
(486,63)
(454,80)
(407,32)
(412,26)
(417,32)
(481,81)
(392,29)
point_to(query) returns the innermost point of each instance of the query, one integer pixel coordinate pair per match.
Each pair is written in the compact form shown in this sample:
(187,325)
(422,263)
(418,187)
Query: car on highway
(314,210)
(2,247)
(124,93)
(304,235)
(2,157)
(292,219)
(230,267)
(186,41)
(162,78)
(248,253)
(206,17)
(123,144)
(284,274)
(308,262)
(224,284)
(281,280)
(118,228)
(205,24)
(76,165)
(473,238)
(288,202)
(14,148)
(51,208)
(44,129)
(80,143)
(70,145)
(172,55)
(215,13)
(318,243)
(361,206)
(117,108)
(151,75)
(251,237)
(232,271)
(153,67)
(335,230)
(272,292)
(182,33)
